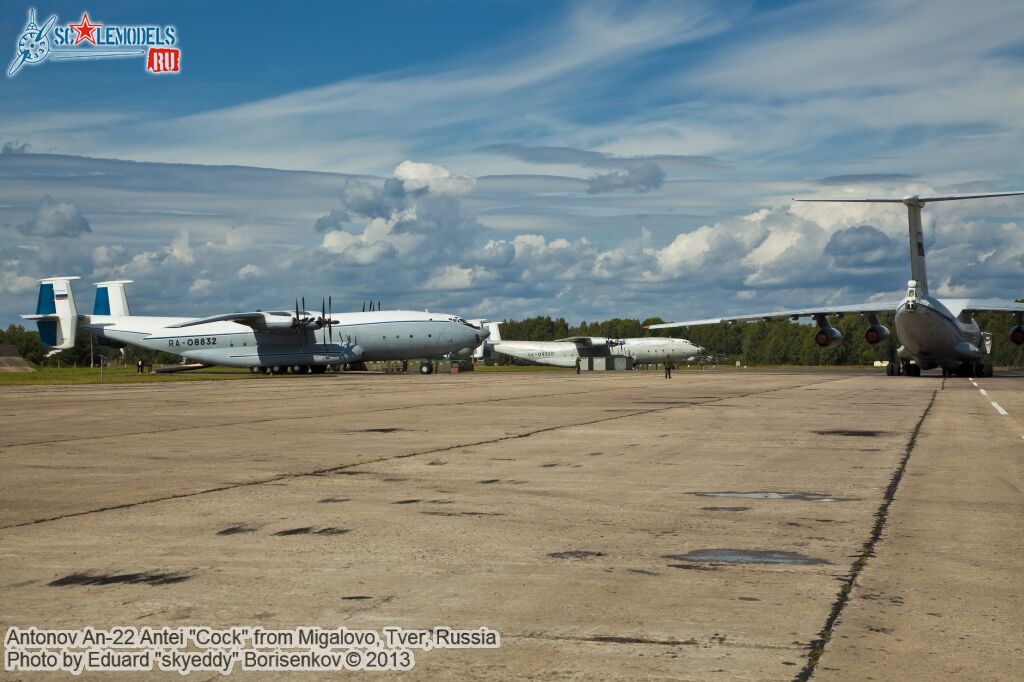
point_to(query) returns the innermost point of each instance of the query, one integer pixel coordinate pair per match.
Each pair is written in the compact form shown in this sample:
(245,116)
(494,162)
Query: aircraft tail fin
(495,336)
(56,315)
(111,299)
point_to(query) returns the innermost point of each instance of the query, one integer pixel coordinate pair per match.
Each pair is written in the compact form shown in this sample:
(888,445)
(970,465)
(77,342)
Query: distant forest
(765,343)
(756,343)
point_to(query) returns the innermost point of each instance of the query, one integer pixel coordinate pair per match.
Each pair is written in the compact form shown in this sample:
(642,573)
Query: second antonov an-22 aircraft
(564,352)
(283,340)
(934,333)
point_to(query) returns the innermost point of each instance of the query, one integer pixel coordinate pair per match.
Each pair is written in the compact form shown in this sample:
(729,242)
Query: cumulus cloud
(437,179)
(415,215)
(15,147)
(642,178)
(54,219)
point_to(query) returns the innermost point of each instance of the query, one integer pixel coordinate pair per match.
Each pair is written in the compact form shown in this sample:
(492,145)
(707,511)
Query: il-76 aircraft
(934,333)
(564,352)
(284,340)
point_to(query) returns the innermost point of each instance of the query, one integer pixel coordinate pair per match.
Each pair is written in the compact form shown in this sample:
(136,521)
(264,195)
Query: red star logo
(85,30)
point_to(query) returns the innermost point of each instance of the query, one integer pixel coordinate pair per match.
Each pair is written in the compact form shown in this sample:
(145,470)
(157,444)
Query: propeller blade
(364,306)
(330,321)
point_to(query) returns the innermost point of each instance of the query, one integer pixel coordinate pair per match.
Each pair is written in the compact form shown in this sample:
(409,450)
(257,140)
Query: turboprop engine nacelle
(1017,334)
(877,333)
(279,320)
(828,337)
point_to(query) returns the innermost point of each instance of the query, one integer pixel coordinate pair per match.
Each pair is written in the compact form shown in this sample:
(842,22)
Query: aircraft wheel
(426,368)
(279,370)
(256,370)
(890,370)
(318,369)
(300,369)
(987,371)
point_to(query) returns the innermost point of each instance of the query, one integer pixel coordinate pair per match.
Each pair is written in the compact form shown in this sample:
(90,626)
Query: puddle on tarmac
(575,554)
(771,495)
(745,556)
(148,578)
(854,433)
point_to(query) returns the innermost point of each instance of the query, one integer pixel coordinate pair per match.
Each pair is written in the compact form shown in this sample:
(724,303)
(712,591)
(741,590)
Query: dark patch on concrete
(407,502)
(394,480)
(749,599)
(345,472)
(726,509)
(379,430)
(144,578)
(575,554)
(616,639)
(463,513)
(746,556)
(356,597)
(294,531)
(331,530)
(641,571)
(489,481)
(334,500)
(695,567)
(773,495)
(548,466)
(436,463)
(594,454)
(853,433)
(237,528)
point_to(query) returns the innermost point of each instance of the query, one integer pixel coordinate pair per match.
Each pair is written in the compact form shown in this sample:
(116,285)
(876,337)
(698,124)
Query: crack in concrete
(868,550)
(388,458)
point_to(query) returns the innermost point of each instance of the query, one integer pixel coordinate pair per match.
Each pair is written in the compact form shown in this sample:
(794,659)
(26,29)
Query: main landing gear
(969,369)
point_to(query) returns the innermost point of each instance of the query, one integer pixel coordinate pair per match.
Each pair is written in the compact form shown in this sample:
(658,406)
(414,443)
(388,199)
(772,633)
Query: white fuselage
(934,335)
(564,353)
(376,335)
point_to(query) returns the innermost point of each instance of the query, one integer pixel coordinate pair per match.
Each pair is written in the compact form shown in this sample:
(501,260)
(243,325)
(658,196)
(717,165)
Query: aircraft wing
(587,341)
(861,309)
(256,320)
(992,305)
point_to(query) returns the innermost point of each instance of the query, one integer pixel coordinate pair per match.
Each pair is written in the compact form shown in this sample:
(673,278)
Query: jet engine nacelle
(877,333)
(1017,334)
(601,341)
(828,337)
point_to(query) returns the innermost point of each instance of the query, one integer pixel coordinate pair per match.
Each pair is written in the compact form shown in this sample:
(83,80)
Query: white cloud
(437,179)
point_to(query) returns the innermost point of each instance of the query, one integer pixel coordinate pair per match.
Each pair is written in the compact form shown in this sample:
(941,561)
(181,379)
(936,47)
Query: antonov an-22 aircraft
(564,352)
(934,332)
(283,340)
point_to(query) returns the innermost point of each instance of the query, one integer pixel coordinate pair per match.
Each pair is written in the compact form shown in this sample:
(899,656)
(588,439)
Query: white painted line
(983,391)
(974,382)
(999,409)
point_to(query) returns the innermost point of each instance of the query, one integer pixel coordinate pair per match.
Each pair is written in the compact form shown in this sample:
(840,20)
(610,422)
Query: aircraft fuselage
(377,335)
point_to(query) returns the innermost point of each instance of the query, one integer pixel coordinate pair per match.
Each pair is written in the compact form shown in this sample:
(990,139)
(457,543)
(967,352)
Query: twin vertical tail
(914,204)
(111,299)
(56,315)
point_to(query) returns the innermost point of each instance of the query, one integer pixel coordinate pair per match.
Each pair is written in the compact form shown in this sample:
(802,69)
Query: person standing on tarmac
(577,364)
(668,367)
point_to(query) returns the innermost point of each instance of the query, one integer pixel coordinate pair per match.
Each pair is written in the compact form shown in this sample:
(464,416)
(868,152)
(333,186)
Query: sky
(505,159)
